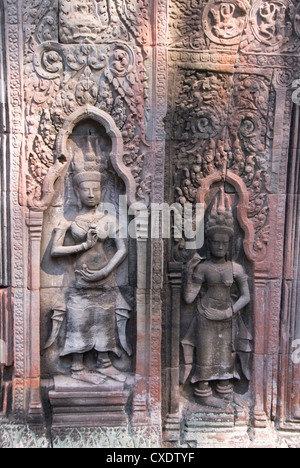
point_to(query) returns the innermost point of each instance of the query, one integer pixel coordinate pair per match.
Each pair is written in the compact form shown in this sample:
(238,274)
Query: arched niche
(88,141)
(64,155)
(241,210)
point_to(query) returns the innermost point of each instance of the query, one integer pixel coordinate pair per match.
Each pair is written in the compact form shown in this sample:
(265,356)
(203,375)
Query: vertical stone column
(173,418)
(13,146)
(6,293)
(140,403)
(288,413)
(34,223)
(6,345)
(259,416)
(6,327)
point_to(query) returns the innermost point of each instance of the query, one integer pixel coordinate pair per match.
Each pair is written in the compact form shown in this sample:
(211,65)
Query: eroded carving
(223,22)
(80,21)
(272,26)
(270,21)
(222,124)
(197,25)
(217,330)
(98,60)
(92,305)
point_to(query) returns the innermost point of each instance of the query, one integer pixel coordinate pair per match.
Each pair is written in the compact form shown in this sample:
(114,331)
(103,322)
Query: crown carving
(86,164)
(221,217)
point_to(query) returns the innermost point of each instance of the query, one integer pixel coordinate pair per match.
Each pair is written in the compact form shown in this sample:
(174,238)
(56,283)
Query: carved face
(219,244)
(89,193)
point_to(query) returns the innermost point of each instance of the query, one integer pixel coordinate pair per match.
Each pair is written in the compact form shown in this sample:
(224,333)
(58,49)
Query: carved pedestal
(206,426)
(210,427)
(79,404)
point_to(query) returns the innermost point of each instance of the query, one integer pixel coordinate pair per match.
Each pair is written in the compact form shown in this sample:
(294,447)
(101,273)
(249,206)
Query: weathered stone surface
(117,328)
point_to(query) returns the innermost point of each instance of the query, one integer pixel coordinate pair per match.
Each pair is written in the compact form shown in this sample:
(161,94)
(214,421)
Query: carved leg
(203,392)
(122,325)
(103,361)
(77,363)
(80,372)
(225,389)
(105,367)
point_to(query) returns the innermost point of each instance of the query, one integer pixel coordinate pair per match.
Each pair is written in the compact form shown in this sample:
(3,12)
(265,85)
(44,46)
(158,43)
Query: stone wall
(115,330)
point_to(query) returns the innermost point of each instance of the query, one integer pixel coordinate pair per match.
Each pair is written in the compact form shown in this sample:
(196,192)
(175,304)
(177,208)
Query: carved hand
(93,276)
(92,238)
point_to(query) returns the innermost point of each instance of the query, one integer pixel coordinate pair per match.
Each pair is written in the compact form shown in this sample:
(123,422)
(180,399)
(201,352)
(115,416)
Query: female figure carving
(212,333)
(94,305)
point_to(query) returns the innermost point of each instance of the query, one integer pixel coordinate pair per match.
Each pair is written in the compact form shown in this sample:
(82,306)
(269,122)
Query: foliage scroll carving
(101,66)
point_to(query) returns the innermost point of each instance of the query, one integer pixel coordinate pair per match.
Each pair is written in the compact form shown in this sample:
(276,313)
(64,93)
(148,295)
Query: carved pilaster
(5,185)
(260,417)
(140,402)
(6,327)
(173,419)
(33,371)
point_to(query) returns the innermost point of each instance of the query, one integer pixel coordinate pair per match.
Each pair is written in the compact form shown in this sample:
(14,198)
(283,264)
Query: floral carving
(95,58)
(222,123)
(201,109)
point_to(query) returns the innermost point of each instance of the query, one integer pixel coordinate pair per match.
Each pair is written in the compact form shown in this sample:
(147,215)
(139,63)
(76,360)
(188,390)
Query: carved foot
(225,391)
(239,401)
(85,375)
(213,402)
(112,373)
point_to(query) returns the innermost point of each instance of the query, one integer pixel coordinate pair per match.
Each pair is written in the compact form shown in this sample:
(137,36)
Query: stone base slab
(76,403)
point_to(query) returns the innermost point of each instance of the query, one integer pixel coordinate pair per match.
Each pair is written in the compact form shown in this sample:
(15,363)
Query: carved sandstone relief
(217,333)
(92,290)
(87,112)
(72,70)
(204,25)
(271,27)
(223,123)
(221,130)
(86,299)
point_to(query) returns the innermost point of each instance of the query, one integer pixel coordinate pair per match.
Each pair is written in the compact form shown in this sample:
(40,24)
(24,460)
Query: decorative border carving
(14,56)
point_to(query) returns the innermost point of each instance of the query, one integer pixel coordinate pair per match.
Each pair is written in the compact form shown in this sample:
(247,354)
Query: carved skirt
(214,349)
(91,321)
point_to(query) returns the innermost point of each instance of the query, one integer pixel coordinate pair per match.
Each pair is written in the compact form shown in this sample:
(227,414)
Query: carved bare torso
(94,259)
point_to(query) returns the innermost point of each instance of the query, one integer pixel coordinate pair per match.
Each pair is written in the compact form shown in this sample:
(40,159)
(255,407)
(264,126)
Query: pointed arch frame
(63,159)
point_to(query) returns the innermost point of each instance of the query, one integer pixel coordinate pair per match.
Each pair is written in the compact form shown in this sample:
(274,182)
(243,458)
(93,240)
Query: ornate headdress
(220,218)
(90,176)
(86,167)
